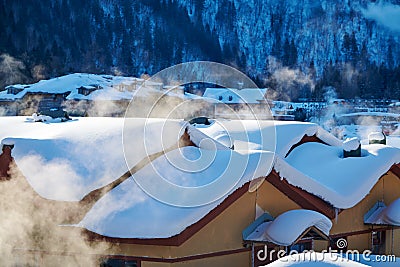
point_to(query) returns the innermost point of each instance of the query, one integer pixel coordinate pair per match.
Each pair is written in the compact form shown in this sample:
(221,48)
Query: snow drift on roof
(200,186)
(380,214)
(65,161)
(202,140)
(379,136)
(284,232)
(113,87)
(351,144)
(278,136)
(392,213)
(343,182)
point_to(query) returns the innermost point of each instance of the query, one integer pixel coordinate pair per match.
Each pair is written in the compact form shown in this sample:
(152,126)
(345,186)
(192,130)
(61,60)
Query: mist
(12,70)
(386,14)
(30,229)
(288,83)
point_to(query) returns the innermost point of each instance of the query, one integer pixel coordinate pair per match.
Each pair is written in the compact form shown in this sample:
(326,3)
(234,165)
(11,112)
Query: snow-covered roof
(343,182)
(235,96)
(278,136)
(86,153)
(351,144)
(379,136)
(380,214)
(128,212)
(282,231)
(71,83)
(396,104)
(379,114)
(80,155)
(16,86)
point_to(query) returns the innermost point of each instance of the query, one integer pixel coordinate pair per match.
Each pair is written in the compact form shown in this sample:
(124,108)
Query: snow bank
(284,232)
(343,182)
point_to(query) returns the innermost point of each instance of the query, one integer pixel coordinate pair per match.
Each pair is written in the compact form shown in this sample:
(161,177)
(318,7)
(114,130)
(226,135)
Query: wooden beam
(306,139)
(301,197)
(180,238)
(395,169)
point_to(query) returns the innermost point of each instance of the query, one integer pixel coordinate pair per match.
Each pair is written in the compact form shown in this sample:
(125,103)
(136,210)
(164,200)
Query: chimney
(377,138)
(352,148)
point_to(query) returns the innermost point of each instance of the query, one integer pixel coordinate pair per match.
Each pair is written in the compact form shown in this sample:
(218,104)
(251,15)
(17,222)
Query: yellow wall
(393,242)
(234,260)
(224,232)
(221,234)
(351,220)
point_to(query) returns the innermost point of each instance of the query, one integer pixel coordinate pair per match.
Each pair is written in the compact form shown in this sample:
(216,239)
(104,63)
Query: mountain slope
(337,43)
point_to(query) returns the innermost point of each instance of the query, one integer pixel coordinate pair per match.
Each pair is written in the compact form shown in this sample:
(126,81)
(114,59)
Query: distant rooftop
(236,96)
(113,87)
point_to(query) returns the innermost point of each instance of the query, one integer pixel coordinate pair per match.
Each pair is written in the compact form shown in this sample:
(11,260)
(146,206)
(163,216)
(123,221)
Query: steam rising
(288,82)
(385,14)
(12,70)
(30,231)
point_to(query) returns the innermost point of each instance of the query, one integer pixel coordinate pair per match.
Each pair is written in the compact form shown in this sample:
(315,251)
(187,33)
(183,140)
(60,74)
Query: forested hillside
(300,46)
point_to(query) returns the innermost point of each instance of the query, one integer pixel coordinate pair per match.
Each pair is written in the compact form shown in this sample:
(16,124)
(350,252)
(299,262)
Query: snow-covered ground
(331,260)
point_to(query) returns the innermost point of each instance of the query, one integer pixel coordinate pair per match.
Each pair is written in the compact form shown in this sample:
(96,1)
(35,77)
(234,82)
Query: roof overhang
(383,215)
(310,225)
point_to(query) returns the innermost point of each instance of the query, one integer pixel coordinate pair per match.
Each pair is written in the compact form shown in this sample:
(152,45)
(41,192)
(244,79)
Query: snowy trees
(133,37)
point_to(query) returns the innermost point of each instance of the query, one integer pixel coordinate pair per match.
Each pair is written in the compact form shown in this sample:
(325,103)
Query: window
(378,242)
(301,246)
(118,263)
(219,98)
(230,98)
